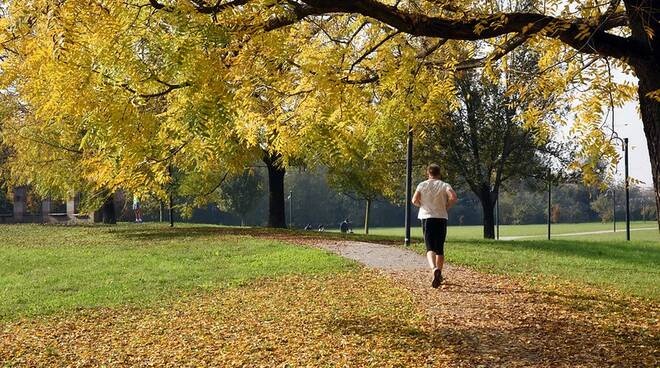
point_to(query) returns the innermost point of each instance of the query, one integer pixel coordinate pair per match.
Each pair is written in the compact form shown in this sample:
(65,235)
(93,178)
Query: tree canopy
(125,89)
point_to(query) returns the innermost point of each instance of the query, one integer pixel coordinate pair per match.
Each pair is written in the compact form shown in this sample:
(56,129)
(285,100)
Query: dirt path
(493,321)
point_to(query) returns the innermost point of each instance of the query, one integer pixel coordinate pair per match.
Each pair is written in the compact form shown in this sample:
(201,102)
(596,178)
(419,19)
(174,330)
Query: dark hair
(433,170)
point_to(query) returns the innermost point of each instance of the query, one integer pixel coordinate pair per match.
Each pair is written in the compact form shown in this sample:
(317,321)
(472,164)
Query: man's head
(433,170)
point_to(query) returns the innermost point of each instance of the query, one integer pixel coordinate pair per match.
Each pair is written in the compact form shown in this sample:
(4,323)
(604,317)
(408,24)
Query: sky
(628,123)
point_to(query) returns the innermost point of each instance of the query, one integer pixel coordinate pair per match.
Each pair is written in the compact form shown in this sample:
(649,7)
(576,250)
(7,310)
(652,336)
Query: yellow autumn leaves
(102,95)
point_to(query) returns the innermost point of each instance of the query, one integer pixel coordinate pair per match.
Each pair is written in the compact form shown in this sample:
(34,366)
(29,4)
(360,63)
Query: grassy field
(604,261)
(628,268)
(540,230)
(134,294)
(53,268)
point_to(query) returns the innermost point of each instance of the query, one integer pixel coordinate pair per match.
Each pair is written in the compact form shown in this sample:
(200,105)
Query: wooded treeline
(315,202)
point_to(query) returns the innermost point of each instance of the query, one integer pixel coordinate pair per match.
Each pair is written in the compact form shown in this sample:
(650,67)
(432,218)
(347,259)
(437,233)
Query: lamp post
(627,184)
(409,153)
(171,196)
(549,203)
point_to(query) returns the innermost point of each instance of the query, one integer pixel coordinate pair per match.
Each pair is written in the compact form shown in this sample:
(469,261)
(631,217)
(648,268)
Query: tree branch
(371,50)
(569,31)
(219,6)
(502,50)
(583,34)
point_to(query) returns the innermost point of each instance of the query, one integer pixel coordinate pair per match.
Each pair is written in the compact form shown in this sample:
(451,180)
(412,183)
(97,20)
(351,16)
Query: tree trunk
(366,216)
(108,210)
(649,80)
(276,204)
(487,200)
(643,19)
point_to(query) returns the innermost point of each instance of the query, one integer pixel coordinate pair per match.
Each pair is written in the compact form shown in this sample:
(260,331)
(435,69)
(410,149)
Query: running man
(434,197)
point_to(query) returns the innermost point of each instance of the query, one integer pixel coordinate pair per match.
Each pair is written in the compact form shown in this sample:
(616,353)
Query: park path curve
(491,320)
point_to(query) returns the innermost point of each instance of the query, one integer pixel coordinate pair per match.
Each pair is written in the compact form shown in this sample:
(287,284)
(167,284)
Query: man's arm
(417,199)
(453,198)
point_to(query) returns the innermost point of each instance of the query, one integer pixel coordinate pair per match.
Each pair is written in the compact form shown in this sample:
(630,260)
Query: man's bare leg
(432,257)
(439,261)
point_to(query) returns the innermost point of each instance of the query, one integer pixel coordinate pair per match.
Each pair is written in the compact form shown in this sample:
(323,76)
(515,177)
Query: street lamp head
(615,137)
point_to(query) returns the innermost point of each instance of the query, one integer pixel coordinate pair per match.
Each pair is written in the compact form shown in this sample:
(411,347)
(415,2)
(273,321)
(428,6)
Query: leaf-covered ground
(362,318)
(489,320)
(351,317)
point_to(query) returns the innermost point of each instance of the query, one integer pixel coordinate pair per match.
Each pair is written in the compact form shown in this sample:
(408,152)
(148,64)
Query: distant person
(137,208)
(434,197)
(344,226)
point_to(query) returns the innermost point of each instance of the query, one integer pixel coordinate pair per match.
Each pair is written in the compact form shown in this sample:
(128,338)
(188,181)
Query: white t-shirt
(434,197)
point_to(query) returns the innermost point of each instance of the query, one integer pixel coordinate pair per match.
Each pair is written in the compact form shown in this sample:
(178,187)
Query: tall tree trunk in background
(108,210)
(276,204)
(643,17)
(649,80)
(366,216)
(487,200)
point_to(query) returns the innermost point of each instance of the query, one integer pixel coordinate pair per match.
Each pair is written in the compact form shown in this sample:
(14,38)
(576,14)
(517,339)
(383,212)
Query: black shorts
(435,232)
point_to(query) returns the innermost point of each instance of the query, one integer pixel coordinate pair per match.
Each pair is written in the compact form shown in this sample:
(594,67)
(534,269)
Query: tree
(362,172)
(592,30)
(146,108)
(315,202)
(240,194)
(555,213)
(647,212)
(332,61)
(276,201)
(482,142)
(604,207)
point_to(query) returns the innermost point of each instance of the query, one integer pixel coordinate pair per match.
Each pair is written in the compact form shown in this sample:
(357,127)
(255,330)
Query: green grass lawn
(631,268)
(53,268)
(603,261)
(46,269)
(476,232)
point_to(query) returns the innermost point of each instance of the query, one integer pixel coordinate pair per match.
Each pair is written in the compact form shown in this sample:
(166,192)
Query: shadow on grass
(572,297)
(635,254)
(547,340)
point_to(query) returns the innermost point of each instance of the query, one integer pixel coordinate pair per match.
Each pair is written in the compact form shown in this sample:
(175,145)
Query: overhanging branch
(583,34)
(501,51)
(570,31)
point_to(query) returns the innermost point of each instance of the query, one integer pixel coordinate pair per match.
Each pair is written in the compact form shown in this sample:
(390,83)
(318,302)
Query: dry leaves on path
(489,320)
